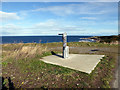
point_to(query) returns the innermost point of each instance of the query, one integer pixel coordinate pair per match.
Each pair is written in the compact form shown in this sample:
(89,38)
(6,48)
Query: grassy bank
(23,67)
(107,39)
(80,44)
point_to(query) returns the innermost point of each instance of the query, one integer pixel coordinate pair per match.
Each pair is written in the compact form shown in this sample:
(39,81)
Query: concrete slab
(81,62)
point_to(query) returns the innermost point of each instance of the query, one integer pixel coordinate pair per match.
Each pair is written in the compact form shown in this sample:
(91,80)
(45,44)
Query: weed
(27,57)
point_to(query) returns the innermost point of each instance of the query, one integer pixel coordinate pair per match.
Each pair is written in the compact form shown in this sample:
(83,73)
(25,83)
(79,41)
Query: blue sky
(51,18)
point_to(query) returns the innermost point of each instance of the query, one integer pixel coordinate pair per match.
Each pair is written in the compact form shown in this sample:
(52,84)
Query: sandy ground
(97,50)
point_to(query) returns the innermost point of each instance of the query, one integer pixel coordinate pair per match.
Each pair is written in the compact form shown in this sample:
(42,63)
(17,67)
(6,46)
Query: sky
(51,18)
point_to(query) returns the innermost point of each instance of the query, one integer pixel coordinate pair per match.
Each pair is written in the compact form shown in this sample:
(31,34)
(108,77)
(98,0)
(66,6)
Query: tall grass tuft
(21,51)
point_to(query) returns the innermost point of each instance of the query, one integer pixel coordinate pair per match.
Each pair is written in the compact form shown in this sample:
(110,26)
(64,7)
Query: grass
(21,62)
(20,51)
(105,66)
(78,44)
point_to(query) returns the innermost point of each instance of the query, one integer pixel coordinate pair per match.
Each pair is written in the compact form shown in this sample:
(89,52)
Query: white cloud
(58,10)
(4,16)
(88,18)
(50,27)
(90,8)
(108,32)
(60,1)
(108,0)
(48,23)
(53,27)
(13,30)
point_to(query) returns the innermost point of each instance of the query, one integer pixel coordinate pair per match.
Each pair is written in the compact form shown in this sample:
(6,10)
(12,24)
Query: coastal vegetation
(107,39)
(22,67)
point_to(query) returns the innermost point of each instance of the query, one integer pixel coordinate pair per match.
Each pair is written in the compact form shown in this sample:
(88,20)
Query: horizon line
(59,35)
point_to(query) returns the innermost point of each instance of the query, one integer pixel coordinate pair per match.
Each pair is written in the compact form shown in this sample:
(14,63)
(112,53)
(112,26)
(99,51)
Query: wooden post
(65,47)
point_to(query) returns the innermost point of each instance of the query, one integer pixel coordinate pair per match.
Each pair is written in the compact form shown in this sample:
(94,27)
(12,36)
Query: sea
(43,39)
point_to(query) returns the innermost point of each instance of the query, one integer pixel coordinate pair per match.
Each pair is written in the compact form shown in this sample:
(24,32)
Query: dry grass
(21,51)
(34,73)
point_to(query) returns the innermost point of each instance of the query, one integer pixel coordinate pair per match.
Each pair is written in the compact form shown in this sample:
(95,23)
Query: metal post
(65,47)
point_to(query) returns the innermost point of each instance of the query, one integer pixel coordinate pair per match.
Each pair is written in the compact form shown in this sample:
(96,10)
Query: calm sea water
(42,39)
